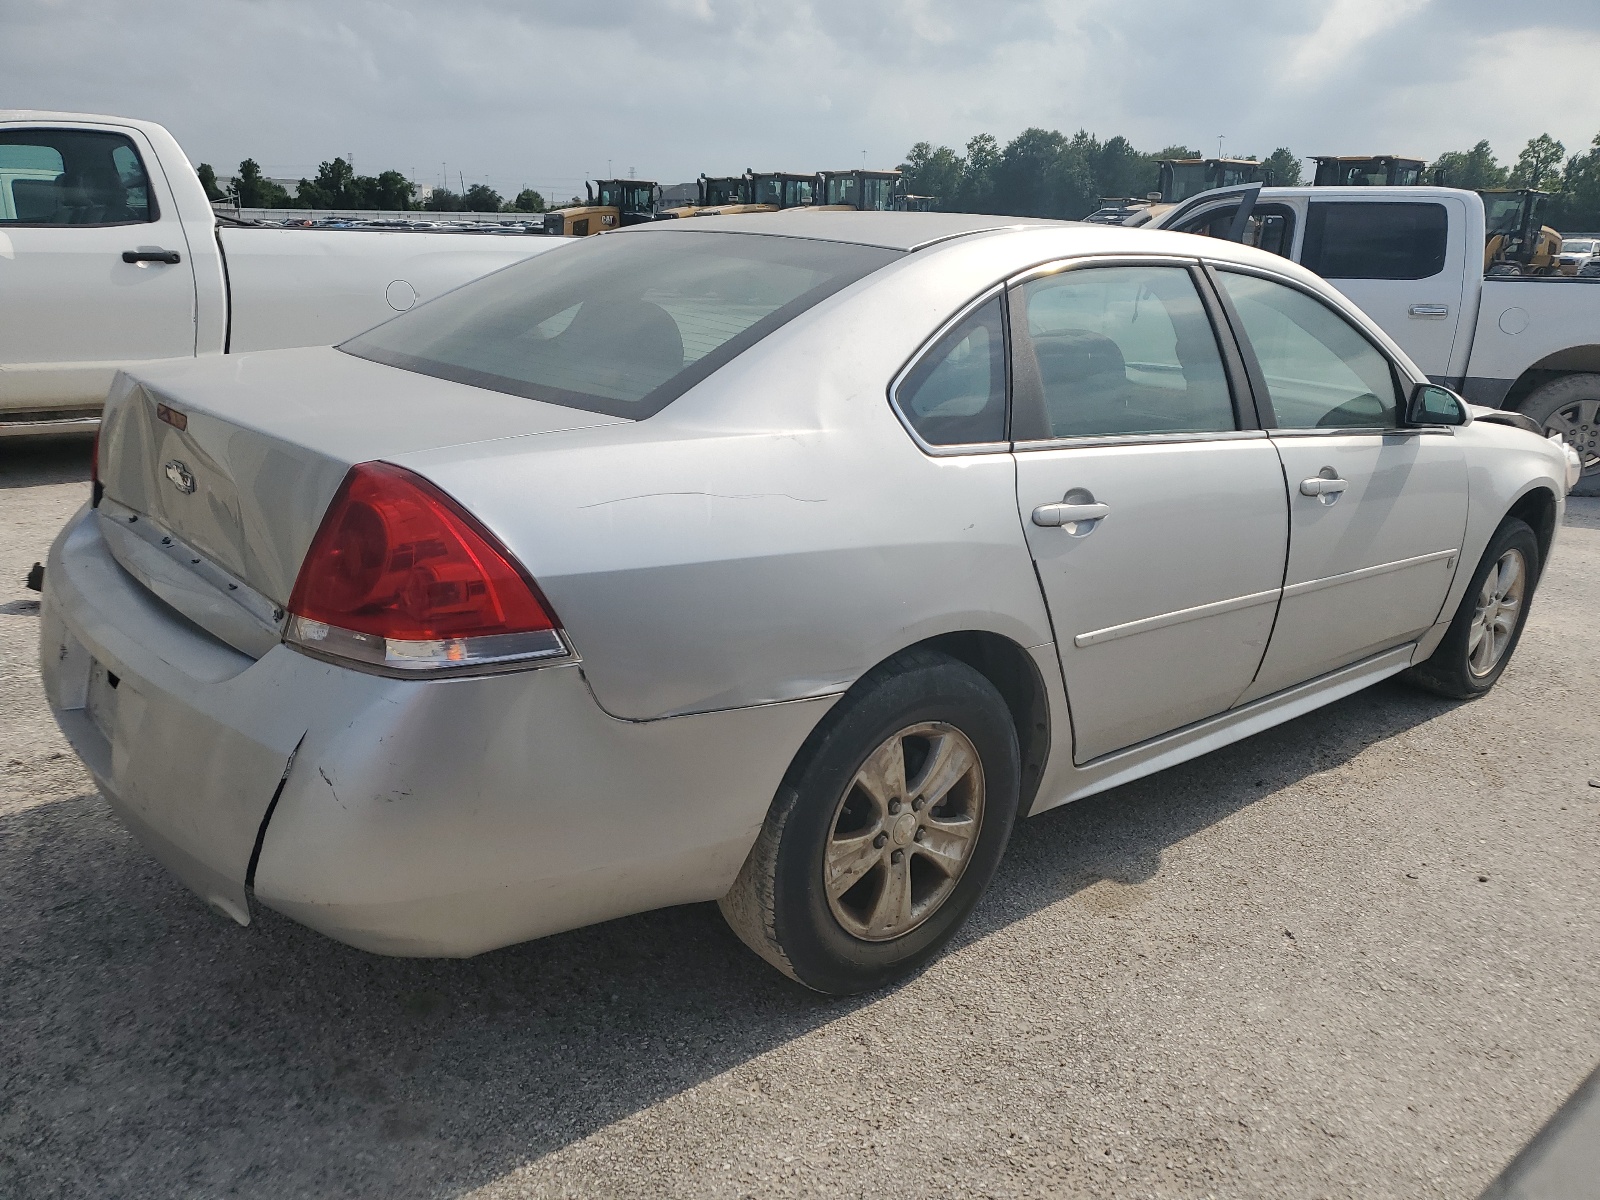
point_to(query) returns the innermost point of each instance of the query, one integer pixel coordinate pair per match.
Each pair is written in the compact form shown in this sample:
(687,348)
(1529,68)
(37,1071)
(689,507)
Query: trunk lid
(238,457)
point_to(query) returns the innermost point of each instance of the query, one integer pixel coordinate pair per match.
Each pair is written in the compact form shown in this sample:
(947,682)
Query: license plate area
(101,701)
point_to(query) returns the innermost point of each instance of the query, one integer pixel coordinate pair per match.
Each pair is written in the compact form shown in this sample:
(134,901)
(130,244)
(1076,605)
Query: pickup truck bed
(110,255)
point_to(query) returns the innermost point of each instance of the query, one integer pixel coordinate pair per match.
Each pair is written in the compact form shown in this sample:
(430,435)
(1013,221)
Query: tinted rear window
(621,323)
(1375,241)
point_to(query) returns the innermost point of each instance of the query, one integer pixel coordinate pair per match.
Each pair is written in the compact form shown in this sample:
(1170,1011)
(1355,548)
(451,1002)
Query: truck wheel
(1570,406)
(1489,620)
(886,830)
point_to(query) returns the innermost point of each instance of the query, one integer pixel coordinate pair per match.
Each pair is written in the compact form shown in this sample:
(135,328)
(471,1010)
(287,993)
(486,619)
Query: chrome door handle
(1429,310)
(1054,515)
(1322,486)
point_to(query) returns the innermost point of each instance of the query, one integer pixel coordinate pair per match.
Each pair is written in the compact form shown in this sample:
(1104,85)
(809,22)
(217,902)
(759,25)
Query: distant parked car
(758,559)
(1576,253)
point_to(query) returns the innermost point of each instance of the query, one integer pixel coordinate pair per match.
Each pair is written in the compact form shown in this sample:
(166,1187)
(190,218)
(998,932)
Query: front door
(72,309)
(1377,513)
(1397,262)
(1157,524)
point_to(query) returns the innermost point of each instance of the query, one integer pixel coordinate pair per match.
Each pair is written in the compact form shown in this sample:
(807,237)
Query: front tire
(1489,621)
(886,830)
(1570,406)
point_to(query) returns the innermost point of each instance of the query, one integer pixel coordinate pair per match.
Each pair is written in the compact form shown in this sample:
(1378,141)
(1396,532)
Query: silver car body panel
(726,569)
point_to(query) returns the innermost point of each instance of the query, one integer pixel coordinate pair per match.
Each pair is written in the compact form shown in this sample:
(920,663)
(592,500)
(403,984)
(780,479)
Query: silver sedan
(777,560)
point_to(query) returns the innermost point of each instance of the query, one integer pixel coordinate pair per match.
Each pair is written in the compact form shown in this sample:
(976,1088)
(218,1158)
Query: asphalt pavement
(1356,955)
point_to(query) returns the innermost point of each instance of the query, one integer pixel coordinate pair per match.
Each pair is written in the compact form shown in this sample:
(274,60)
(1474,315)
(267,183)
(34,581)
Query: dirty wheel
(886,830)
(1489,620)
(1570,406)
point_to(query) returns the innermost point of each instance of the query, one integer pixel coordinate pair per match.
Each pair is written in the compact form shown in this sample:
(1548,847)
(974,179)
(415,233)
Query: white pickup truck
(1412,258)
(110,254)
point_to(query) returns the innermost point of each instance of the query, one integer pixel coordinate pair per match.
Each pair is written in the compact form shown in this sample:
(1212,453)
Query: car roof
(891,230)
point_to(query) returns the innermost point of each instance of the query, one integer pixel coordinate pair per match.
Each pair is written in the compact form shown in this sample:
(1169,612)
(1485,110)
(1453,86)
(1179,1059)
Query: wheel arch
(1574,360)
(1537,508)
(1016,677)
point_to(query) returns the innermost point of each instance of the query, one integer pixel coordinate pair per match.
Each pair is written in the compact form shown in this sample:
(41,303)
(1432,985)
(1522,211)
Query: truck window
(1270,227)
(1355,240)
(72,177)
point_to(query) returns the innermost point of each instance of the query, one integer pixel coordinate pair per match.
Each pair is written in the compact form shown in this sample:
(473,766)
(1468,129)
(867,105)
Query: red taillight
(400,575)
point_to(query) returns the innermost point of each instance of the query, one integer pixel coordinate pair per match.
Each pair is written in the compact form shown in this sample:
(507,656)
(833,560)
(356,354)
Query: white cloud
(543,92)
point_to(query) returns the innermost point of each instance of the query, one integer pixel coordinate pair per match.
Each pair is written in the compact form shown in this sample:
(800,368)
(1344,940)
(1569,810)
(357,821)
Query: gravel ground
(1353,956)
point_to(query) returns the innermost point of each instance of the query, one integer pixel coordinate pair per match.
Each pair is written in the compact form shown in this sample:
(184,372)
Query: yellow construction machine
(1518,242)
(863,190)
(725,193)
(612,203)
(1372,170)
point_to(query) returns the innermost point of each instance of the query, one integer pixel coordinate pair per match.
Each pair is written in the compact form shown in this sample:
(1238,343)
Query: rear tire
(1489,620)
(1570,406)
(886,830)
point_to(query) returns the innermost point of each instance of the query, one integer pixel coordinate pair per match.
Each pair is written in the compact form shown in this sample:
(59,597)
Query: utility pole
(1219,145)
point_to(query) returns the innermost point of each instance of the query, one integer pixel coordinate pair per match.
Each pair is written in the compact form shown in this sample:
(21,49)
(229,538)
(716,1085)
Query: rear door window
(1119,350)
(72,177)
(1359,240)
(622,323)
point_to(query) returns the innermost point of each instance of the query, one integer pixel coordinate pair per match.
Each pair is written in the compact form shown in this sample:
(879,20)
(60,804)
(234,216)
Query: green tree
(443,200)
(390,191)
(977,189)
(208,180)
(480,197)
(1539,162)
(934,172)
(253,190)
(334,187)
(1285,167)
(1472,169)
(527,201)
(1577,208)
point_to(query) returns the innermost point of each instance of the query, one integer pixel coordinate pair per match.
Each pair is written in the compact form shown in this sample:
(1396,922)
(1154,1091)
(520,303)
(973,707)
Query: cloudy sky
(546,92)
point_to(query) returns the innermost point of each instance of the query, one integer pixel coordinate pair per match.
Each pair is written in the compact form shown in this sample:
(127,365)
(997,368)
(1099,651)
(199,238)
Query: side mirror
(1431,404)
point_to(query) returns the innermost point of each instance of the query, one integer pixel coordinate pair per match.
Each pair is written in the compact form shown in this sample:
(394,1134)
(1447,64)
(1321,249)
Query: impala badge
(179,476)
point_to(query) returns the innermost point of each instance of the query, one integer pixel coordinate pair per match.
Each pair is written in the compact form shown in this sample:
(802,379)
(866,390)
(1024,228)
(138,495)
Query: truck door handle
(146,254)
(1429,310)
(1054,515)
(1325,489)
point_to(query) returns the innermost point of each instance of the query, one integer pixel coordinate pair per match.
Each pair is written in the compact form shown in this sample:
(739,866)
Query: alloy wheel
(904,831)
(1578,423)
(1495,618)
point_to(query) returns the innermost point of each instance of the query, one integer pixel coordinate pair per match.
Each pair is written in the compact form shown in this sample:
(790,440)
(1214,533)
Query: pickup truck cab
(111,255)
(1412,259)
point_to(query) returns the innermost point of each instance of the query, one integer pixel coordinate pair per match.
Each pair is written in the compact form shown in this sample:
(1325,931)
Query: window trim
(931,343)
(1258,380)
(152,205)
(1247,421)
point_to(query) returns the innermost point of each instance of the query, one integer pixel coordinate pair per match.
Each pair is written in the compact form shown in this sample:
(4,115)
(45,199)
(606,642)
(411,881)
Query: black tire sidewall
(1449,663)
(823,955)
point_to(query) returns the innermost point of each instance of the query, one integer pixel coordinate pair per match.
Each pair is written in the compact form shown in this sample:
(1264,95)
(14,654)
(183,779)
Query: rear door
(1397,261)
(1376,512)
(1155,514)
(80,201)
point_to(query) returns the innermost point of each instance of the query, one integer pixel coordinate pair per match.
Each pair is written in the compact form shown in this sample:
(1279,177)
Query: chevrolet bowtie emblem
(179,476)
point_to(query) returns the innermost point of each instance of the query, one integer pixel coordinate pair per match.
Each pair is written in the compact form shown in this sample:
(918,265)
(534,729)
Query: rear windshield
(623,323)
